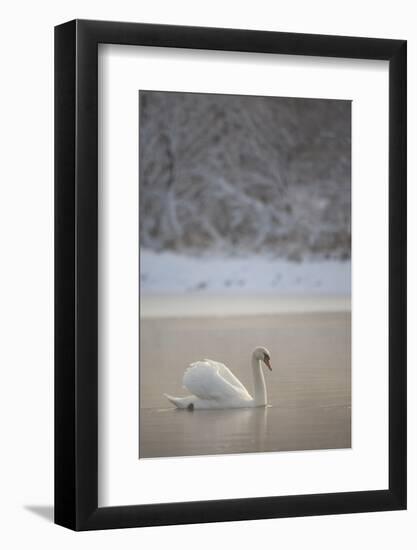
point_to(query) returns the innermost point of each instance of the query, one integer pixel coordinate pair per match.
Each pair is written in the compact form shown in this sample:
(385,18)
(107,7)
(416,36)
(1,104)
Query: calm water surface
(309,389)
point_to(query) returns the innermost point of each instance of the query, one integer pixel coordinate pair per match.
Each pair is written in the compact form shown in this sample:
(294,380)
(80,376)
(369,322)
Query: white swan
(214,386)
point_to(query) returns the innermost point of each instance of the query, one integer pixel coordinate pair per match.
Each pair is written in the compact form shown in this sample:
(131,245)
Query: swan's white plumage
(212,381)
(214,386)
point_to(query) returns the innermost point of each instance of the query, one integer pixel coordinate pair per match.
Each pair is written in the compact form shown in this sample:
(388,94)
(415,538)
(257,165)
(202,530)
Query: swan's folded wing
(204,380)
(227,374)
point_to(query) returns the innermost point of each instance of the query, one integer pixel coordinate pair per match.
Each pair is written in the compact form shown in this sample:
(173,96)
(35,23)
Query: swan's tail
(180,402)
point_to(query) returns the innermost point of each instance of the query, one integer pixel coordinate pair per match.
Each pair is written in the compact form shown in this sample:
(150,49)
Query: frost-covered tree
(240,174)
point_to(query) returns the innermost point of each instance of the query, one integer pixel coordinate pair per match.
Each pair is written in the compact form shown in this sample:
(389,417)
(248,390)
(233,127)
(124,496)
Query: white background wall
(26,289)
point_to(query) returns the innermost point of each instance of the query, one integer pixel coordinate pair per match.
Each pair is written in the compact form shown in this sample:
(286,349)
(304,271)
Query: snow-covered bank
(168,273)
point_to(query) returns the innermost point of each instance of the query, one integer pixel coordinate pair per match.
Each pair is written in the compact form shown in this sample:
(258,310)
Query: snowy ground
(170,273)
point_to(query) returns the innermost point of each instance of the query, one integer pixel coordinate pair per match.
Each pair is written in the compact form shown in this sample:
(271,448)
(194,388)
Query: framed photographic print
(230,253)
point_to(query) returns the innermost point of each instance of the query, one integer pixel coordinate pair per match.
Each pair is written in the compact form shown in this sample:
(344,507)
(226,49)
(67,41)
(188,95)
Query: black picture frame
(76,273)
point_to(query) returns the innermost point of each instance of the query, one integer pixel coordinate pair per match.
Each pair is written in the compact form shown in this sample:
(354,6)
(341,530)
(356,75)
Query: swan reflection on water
(173,432)
(215,431)
(228,426)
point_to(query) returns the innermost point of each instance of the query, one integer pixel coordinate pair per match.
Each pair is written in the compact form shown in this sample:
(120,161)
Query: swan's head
(262,354)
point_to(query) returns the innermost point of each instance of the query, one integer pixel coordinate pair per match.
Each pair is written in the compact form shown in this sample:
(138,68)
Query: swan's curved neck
(260,396)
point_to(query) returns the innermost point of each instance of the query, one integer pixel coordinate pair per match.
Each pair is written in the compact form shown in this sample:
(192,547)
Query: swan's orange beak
(267,362)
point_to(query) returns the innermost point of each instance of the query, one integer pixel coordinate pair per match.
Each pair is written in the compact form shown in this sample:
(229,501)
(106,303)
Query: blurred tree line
(242,175)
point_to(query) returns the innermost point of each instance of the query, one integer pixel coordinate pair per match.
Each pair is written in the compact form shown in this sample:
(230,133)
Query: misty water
(309,389)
